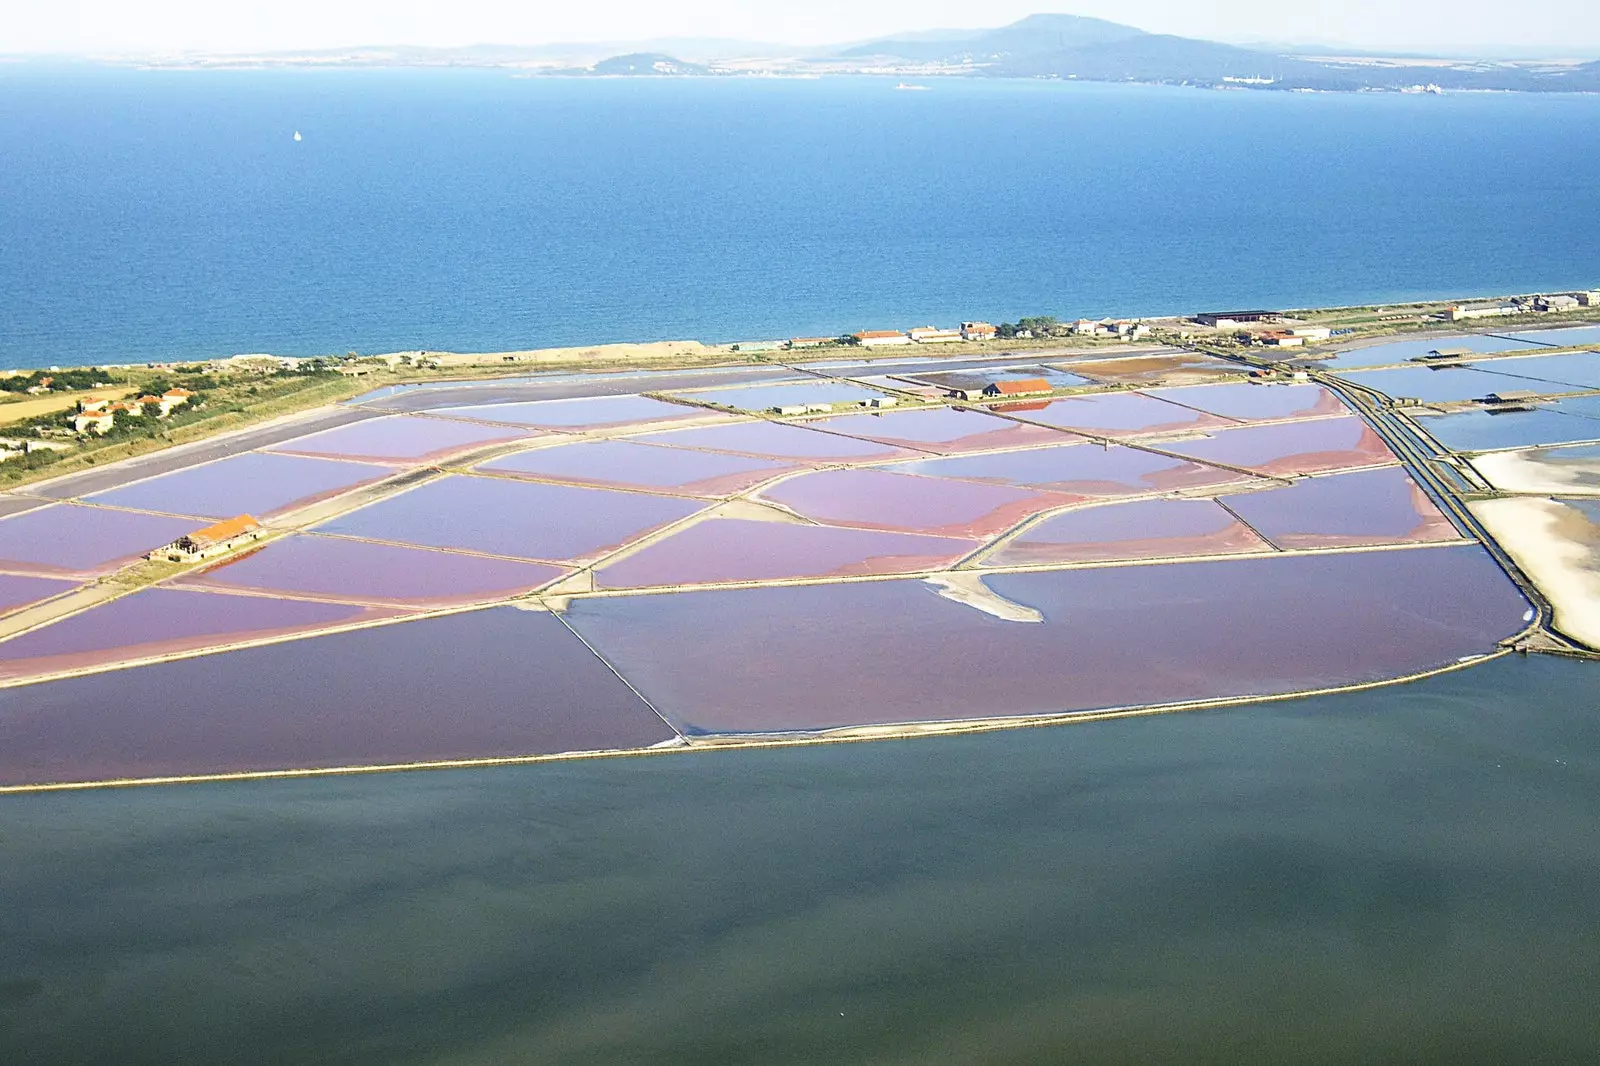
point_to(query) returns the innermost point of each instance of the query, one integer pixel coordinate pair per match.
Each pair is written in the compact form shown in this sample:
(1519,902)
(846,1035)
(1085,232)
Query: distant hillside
(1036,35)
(1067,46)
(647,64)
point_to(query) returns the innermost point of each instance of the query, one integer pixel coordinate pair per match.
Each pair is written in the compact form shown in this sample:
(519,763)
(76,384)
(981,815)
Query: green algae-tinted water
(1404,875)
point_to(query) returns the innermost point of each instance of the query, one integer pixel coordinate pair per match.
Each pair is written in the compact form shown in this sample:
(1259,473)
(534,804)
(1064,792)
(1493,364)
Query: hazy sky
(1563,26)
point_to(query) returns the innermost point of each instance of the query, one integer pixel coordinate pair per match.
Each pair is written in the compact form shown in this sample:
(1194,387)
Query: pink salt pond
(476,684)
(400,439)
(255,483)
(1080,470)
(66,539)
(591,412)
(778,440)
(522,519)
(878,499)
(1367,507)
(1255,403)
(807,657)
(731,550)
(1289,448)
(384,574)
(1118,414)
(627,464)
(158,622)
(1146,529)
(943,430)
(17,590)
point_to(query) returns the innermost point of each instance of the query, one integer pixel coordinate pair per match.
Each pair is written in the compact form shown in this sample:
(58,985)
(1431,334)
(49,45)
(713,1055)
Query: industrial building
(216,539)
(1229,319)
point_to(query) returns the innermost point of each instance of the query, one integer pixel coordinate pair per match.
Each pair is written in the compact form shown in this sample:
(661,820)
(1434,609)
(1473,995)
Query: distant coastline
(1044,46)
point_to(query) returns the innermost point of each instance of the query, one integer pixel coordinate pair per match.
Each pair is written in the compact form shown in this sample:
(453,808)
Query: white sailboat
(297,135)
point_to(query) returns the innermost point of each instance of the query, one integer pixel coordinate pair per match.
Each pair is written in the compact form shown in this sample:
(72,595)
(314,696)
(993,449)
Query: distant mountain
(647,64)
(1039,46)
(1088,49)
(1036,35)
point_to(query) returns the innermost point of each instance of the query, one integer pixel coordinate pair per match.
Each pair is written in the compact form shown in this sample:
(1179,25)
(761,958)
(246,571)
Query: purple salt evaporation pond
(166,622)
(943,430)
(1147,529)
(524,519)
(823,656)
(255,483)
(777,440)
(1256,403)
(481,684)
(729,550)
(878,499)
(1369,507)
(1080,470)
(1118,414)
(399,439)
(591,412)
(71,540)
(1290,448)
(626,464)
(17,590)
(384,574)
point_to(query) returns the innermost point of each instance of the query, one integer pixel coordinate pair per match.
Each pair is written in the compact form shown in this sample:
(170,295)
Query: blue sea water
(171,214)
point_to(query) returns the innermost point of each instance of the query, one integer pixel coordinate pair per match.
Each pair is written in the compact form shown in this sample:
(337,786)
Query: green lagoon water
(1405,875)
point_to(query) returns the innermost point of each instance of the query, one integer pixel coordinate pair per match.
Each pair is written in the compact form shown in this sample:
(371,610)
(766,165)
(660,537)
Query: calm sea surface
(149,214)
(1406,875)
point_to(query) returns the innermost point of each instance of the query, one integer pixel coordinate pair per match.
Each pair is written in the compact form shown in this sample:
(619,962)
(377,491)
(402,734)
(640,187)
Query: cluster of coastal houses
(1119,329)
(1524,305)
(98,416)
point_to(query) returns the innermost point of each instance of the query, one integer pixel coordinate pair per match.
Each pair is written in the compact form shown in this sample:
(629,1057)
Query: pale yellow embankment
(1554,545)
(657,351)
